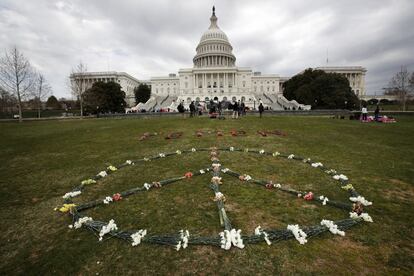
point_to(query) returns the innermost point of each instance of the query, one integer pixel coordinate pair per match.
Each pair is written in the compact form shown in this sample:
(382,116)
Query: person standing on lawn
(192,109)
(364,112)
(181,109)
(235,110)
(261,109)
(376,113)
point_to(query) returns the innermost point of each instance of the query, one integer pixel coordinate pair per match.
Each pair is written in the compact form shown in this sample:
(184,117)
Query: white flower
(102,174)
(225,241)
(225,170)
(178,152)
(298,233)
(216,180)
(331,171)
(231,148)
(291,156)
(184,235)
(78,224)
(299,195)
(193,150)
(146,159)
(360,199)
(178,246)
(147,186)
(129,162)
(219,196)
(340,177)
(261,151)
(353,215)
(71,194)
(107,200)
(70,226)
(333,228)
(202,172)
(216,165)
(246,150)
(324,199)
(318,164)
(366,217)
(363,216)
(276,153)
(259,232)
(162,155)
(111,226)
(277,185)
(231,237)
(138,236)
(306,160)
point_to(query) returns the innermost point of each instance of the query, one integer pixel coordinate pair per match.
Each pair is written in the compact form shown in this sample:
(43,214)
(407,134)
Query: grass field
(41,161)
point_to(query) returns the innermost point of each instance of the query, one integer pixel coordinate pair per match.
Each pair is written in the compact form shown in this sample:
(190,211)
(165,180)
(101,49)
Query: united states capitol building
(214,74)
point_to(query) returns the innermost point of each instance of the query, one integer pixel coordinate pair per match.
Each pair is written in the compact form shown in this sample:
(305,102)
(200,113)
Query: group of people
(364,112)
(215,108)
(239,109)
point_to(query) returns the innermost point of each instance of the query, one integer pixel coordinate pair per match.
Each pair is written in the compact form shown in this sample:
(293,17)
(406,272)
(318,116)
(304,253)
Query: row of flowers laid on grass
(230,236)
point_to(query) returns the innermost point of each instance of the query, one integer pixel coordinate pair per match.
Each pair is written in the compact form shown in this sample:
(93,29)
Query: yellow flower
(88,181)
(112,168)
(348,187)
(66,207)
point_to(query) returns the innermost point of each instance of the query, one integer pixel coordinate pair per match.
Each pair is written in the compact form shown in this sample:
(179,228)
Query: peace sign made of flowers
(230,235)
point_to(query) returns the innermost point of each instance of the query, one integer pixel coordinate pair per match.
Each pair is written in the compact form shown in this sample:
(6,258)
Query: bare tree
(40,91)
(16,76)
(400,86)
(78,83)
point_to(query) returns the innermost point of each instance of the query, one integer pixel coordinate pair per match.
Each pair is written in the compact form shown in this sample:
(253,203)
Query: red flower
(117,197)
(269,185)
(308,196)
(188,175)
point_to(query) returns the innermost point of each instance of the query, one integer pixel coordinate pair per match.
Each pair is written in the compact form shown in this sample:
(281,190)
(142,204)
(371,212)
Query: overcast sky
(157,37)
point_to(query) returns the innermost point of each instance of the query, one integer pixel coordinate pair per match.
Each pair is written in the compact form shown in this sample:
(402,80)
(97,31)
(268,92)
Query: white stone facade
(127,82)
(215,74)
(354,74)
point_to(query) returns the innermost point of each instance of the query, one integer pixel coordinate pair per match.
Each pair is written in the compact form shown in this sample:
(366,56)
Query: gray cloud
(152,38)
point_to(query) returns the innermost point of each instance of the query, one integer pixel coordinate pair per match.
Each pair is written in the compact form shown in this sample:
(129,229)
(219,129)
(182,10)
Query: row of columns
(211,61)
(228,80)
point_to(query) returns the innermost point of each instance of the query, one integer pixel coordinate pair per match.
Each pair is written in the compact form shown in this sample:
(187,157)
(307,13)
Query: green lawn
(41,161)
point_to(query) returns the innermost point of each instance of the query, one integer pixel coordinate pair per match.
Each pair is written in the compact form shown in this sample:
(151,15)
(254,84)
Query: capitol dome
(214,48)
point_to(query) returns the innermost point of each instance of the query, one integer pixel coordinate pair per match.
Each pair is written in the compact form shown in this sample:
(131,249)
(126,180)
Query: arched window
(206,99)
(197,99)
(243,98)
(189,100)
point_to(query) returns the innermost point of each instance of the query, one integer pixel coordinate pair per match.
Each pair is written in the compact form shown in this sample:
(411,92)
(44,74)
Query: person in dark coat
(261,109)
(235,110)
(242,109)
(180,108)
(376,113)
(192,109)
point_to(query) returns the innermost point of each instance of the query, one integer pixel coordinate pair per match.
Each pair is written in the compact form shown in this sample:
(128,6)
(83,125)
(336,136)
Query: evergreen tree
(321,90)
(142,93)
(104,97)
(53,103)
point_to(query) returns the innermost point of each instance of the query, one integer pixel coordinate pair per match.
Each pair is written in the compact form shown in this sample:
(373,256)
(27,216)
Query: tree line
(19,80)
(324,90)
